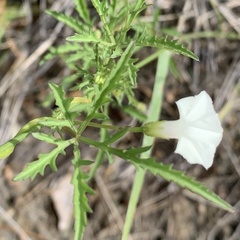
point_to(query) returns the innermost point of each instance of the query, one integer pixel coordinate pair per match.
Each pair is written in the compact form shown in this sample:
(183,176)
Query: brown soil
(42,209)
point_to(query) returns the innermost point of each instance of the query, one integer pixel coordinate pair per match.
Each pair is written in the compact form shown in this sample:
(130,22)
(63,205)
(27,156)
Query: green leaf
(81,207)
(65,48)
(81,6)
(89,37)
(38,166)
(132,71)
(164,43)
(56,51)
(69,21)
(116,53)
(139,7)
(122,64)
(61,101)
(109,85)
(66,83)
(136,151)
(85,162)
(54,122)
(134,112)
(169,174)
(80,55)
(47,138)
(164,171)
(125,154)
(100,8)
(115,137)
(7,148)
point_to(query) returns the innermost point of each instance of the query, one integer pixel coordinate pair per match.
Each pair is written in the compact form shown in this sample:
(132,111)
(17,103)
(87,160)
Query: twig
(13,224)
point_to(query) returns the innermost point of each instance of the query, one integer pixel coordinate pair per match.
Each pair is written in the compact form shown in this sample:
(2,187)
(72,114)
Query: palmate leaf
(81,207)
(163,42)
(38,166)
(7,148)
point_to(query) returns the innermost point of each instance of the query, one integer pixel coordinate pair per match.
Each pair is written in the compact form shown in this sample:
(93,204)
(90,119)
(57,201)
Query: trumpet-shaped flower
(198,129)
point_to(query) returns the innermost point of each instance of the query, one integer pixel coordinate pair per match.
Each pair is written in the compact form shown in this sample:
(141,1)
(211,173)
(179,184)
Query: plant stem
(148,59)
(99,157)
(111,127)
(153,115)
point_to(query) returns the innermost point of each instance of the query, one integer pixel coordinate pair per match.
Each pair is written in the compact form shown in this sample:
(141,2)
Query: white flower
(198,130)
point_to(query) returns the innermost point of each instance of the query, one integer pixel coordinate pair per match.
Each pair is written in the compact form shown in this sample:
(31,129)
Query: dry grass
(31,210)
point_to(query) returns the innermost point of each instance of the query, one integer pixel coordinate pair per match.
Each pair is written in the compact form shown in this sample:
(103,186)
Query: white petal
(193,108)
(184,106)
(196,152)
(198,130)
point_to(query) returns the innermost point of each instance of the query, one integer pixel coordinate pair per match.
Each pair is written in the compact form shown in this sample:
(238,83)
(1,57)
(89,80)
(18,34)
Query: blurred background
(42,209)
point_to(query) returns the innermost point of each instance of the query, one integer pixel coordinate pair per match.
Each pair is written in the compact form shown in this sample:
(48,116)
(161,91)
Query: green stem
(99,157)
(148,59)
(111,127)
(153,115)
(114,76)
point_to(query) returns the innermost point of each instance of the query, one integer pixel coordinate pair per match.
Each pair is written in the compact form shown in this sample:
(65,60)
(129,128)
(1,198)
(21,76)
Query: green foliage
(39,165)
(7,148)
(182,180)
(164,43)
(103,64)
(11,12)
(81,6)
(80,200)
(164,171)
(61,101)
(89,37)
(69,21)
